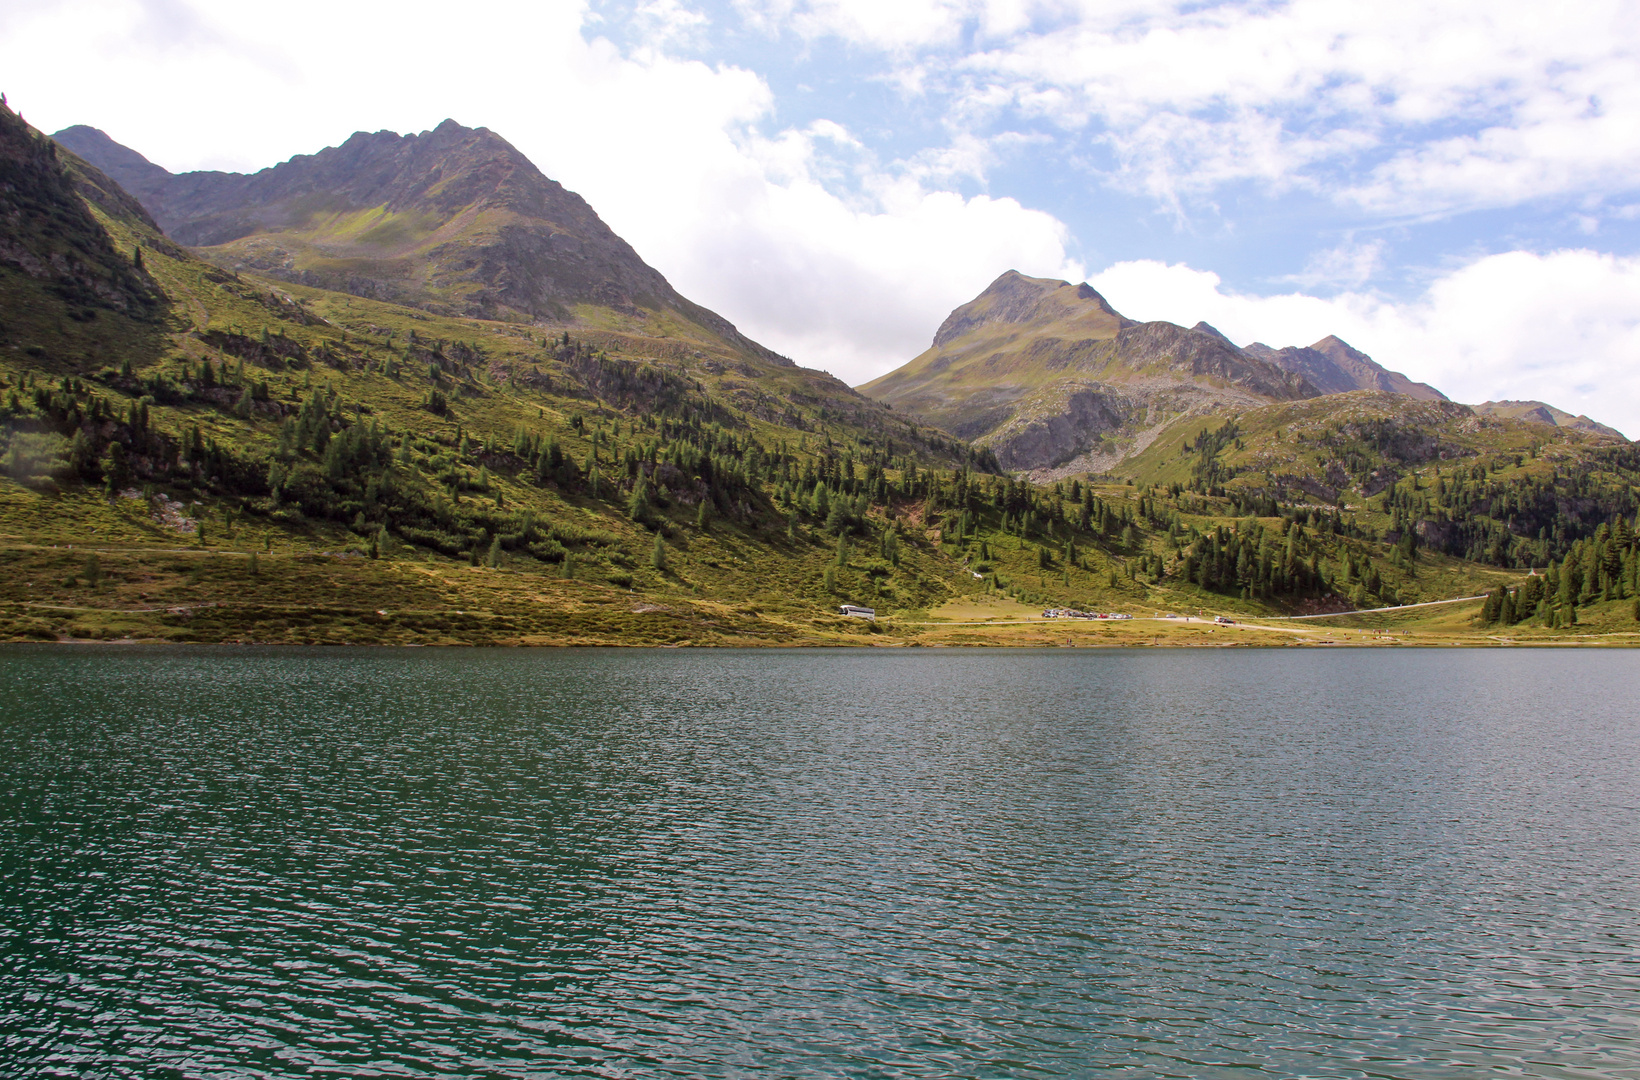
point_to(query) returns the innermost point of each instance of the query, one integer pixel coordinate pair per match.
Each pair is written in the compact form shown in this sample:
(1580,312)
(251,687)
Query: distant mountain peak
(122,164)
(1337,367)
(1045,372)
(1539,412)
(1209,328)
(1015,299)
(454,219)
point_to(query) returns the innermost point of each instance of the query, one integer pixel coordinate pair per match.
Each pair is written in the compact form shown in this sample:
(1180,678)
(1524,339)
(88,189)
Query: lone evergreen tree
(657,555)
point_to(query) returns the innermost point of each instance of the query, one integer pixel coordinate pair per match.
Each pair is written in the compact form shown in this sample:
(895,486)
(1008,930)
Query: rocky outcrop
(1196,355)
(1080,424)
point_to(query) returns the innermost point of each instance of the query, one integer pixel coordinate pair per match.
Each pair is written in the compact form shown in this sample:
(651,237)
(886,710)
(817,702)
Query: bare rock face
(1078,427)
(454,219)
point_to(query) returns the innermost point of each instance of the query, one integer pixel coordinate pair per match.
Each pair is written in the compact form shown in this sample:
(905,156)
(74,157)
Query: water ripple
(420,863)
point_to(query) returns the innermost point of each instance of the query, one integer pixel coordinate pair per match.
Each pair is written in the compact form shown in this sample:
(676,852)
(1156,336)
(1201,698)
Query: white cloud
(1398,107)
(1349,264)
(1562,327)
(669,22)
(895,25)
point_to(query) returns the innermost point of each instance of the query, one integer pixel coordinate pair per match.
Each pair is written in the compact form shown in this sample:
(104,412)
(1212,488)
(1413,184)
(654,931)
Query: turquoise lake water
(887,863)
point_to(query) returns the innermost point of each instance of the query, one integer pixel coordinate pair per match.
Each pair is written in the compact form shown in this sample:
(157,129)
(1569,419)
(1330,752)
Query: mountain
(51,238)
(629,475)
(453,220)
(1539,413)
(1046,374)
(194,453)
(1333,367)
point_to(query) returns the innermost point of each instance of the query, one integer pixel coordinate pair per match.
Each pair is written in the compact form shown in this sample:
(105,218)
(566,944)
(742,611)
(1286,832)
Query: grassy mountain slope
(1045,373)
(454,220)
(218,414)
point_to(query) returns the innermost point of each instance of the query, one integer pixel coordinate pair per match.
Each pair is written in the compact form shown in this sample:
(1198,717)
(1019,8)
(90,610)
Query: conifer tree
(657,555)
(637,504)
(495,553)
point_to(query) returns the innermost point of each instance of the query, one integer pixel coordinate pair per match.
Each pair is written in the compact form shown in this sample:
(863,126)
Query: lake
(861,863)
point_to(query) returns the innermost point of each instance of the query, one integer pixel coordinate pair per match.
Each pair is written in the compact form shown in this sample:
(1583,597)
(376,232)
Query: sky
(1453,188)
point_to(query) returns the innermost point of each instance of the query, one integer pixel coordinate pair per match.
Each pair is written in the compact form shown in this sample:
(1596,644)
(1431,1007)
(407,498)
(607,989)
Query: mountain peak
(1338,350)
(1335,366)
(1014,299)
(123,165)
(1045,372)
(455,220)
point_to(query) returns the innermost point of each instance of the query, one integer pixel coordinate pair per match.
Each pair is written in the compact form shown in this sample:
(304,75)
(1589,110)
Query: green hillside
(198,455)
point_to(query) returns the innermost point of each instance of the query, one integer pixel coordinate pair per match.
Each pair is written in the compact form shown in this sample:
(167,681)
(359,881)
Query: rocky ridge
(455,220)
(1056,382)
(1334,367)
(1540,413)
(1048,375)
